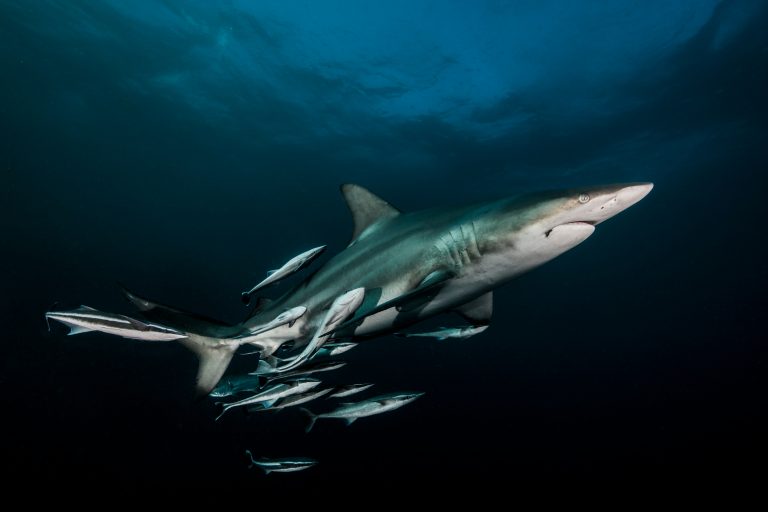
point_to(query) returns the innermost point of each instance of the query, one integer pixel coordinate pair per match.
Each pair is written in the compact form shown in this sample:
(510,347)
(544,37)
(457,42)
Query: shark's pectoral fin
(425,292)
(350,421)
(478,311)
(213,362)
(409,301)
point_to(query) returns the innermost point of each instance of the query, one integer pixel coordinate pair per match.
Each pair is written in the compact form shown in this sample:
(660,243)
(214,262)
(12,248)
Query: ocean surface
(183,148)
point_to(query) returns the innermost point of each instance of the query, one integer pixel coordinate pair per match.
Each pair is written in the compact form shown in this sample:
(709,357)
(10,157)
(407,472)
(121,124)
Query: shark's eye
(583,198)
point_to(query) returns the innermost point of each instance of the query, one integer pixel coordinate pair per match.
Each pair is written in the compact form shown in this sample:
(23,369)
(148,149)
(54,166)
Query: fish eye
(583,198)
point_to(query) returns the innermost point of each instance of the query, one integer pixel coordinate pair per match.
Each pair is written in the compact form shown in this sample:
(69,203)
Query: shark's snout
(613,201)
(631,194)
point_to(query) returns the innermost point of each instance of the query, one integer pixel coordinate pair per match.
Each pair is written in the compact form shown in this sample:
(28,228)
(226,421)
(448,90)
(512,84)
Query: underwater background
(182,148)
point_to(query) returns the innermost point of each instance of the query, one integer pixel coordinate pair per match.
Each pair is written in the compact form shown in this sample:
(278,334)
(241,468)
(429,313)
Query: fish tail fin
(250,456)
(223,408)
(312,418)
(47,320)
(50,309)
(213,360)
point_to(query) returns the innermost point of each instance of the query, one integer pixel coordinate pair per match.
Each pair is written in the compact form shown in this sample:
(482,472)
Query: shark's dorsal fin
(479,310)
(367,208)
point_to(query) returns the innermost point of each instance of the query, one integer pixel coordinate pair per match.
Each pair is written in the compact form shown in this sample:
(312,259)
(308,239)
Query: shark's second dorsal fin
(261,304)
(367,208)
(181,320)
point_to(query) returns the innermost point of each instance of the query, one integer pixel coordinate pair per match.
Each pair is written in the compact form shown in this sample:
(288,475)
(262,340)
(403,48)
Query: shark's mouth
(570,225)
(580,222)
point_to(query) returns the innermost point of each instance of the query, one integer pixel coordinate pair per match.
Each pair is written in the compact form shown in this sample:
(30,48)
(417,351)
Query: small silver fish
(87,319)
(376,405)
(291,266)
(349,389)
(286,317)
(272,393)
(287,465)
(290,401)
(446,332)
(233,385)
(334,349)
(342,308)
(307,369)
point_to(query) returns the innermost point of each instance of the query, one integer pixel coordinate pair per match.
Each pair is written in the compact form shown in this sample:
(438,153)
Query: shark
(401,268)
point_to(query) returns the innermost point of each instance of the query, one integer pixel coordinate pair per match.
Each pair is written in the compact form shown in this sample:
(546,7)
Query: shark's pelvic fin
(367,209)
(479,310)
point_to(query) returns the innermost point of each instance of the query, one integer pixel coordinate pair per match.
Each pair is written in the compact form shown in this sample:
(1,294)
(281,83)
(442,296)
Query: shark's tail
(250,456)
(312,418)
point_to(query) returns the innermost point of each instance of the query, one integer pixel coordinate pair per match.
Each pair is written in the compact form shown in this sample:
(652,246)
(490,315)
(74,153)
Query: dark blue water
(184,148)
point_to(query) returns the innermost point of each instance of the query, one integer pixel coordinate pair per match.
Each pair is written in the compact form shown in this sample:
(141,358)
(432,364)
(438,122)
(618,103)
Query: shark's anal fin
(366,208)
(478,311)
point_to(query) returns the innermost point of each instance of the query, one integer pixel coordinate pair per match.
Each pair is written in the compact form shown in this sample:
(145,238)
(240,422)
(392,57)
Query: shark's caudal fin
(312,418)
(213,360)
